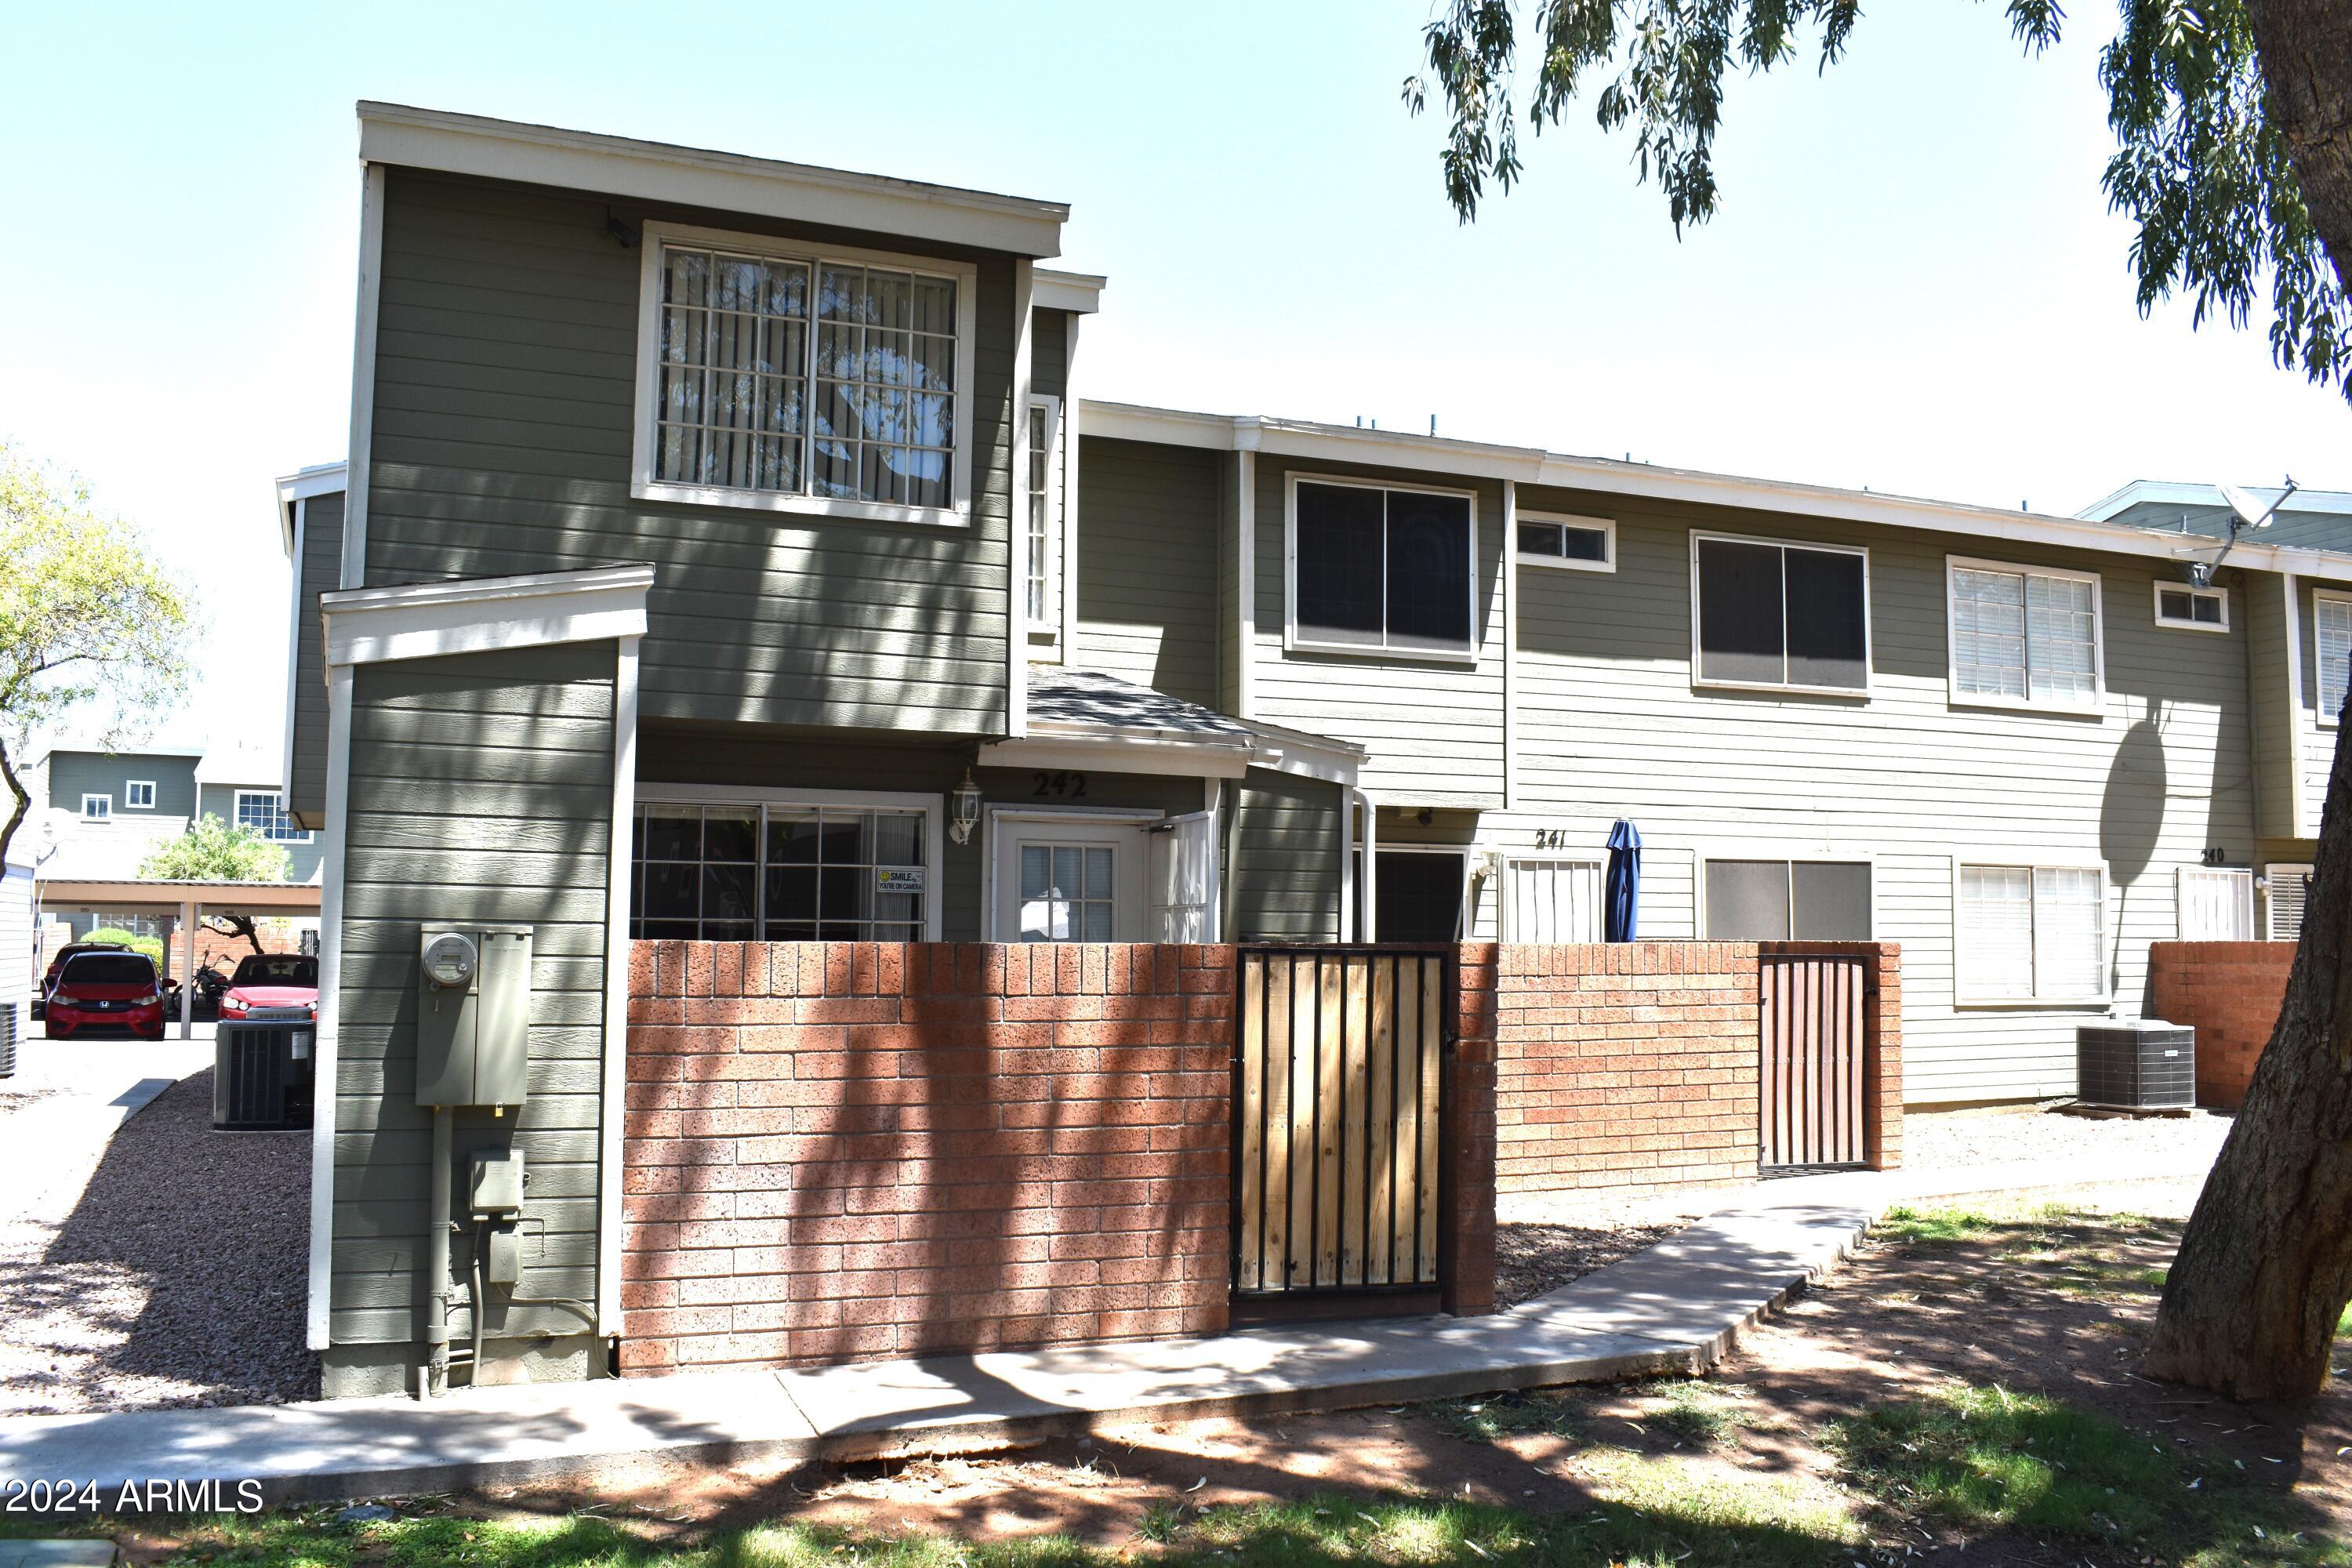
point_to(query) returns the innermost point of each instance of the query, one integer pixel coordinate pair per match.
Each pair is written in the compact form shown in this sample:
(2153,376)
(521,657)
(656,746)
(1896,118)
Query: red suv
(106,991)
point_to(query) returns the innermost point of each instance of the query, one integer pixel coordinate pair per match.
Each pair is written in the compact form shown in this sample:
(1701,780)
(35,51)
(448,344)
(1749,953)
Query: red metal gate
(1812,1097)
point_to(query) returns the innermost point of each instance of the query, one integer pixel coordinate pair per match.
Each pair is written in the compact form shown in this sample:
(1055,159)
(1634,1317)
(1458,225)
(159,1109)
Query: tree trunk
(2305,46)
(2265,1267)
(24,803)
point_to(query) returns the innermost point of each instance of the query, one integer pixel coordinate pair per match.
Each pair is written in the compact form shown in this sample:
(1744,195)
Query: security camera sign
(899,878)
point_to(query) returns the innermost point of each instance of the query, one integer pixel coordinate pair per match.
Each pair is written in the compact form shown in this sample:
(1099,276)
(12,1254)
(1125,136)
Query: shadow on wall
(2131,819)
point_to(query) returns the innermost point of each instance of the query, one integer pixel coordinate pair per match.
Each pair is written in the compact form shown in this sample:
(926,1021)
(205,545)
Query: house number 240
(1068,786)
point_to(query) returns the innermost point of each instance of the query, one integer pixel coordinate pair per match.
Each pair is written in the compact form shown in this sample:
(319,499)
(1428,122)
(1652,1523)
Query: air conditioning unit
(2143,1064)
(264,1073)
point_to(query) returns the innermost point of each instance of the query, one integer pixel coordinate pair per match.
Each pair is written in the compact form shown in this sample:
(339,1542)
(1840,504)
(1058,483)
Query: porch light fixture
(963,809)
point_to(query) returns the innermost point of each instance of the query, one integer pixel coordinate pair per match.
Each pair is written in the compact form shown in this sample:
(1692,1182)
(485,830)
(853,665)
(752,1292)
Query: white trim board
(364,330)
(643,486)
(1016,519)
(431,620)
(692,176)
(327,1099)
(1079,293)
(300,512)
(620,854)
(1535,465)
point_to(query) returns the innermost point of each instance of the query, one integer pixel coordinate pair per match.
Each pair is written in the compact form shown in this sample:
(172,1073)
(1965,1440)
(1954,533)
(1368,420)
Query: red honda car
(271,980)
(106,991)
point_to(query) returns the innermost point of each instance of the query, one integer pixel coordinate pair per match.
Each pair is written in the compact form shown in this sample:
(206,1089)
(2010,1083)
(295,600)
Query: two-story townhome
(728,552)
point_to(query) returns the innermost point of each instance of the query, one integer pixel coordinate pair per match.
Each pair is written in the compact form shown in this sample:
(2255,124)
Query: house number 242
(1064,784)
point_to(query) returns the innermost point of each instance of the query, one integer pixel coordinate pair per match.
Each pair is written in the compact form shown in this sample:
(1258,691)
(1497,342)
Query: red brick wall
(1633,1065)
(2232,991)
(844,1151)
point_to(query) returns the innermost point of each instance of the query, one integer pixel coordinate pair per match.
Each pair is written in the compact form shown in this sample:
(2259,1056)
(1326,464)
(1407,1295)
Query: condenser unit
(2143,1064)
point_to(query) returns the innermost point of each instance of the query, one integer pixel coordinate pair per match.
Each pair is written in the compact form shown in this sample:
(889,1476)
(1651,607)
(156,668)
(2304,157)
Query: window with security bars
(2025,637)
(264,811)
(2332,630)
(810,377)
(778,872)
(1066,892)
(2028,933)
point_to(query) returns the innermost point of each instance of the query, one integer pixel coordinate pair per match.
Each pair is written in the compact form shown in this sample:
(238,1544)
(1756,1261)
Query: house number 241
(1552,839)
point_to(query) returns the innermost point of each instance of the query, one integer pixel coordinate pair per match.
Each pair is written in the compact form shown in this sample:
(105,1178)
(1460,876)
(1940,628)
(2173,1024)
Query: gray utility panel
(473,1015)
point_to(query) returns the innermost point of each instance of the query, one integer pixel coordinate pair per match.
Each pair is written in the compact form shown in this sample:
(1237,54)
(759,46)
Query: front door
(1071,879)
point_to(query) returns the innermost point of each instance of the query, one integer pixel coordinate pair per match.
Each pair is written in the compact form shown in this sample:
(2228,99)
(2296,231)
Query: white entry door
(1071,879)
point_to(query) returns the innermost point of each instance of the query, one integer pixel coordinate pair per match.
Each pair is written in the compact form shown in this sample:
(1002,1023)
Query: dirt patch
(177,1277)
(1969,1140)
(2037,1298)
(1543,1241)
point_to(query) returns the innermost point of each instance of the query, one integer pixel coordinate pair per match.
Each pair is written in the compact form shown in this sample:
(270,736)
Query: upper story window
(1788,617)
(2198,609)
(264,811)
(97,809)
(1582,544)
(2023,636)
(138,794)
(1382,568)
(1041,553)
(820,381)
(2331,617)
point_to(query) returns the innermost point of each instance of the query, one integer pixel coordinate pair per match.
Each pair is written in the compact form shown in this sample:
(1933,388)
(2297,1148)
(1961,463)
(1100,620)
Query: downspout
(1370,895)
(433,1376)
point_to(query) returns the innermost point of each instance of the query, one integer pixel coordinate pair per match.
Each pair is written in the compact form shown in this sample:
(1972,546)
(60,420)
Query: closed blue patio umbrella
(1624,916)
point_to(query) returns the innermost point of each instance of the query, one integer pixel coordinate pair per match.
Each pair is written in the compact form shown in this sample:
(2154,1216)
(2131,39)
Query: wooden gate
(1812,1094)
(1337,1074)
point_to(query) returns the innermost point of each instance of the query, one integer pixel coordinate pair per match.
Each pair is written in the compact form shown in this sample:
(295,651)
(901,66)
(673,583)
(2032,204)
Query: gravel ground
(1943,1140)
(175,1277)
(1543,1241)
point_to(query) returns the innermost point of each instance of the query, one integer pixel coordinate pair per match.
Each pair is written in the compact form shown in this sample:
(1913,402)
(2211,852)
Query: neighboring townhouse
(728,552)
(115,807)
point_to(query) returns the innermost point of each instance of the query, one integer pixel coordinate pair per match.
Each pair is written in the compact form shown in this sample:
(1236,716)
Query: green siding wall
(73,774)
(1282,866)
(320,570)
(1049,352)
(505,385)
(480,789)
(1147,567)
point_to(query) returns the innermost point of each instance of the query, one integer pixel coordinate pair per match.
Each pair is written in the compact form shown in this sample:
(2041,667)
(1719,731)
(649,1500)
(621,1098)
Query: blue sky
(1914,283)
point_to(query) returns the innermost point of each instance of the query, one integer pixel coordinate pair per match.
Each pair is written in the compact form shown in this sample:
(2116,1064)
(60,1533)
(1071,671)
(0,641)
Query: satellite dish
(2252,512)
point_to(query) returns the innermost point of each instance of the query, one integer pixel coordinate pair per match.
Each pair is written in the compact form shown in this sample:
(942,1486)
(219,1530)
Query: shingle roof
(1089,699)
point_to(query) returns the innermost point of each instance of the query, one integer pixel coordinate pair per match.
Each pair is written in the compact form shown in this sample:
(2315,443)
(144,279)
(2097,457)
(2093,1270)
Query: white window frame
(1955,697)
(643,486)
(1292,642)
(1046,627)
(2163,587)
(1462,913)
(1711,854)
(932,806)
(2326,715)
(1869,653)
(131,790)
(105,812)
(276,798)
(2029,864)
(1605,526)
(1506,918)
(2242,879)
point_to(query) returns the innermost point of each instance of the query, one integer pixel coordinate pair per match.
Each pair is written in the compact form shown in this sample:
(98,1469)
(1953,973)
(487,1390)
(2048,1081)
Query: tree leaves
(2201,166)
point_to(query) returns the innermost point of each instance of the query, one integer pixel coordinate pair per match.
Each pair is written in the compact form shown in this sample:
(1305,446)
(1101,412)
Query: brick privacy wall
(1634,1065)
(837,1151)
(1468,1264)
(2230,992)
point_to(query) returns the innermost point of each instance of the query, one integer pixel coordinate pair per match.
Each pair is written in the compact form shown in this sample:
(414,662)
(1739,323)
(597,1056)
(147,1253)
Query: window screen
(2333,624)
(1772,615)
(2030,931)
(1552,540)
(778,873)
(1774,900)
(1379,568)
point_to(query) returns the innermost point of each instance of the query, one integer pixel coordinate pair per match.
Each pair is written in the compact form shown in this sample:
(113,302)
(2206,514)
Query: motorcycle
(211,986)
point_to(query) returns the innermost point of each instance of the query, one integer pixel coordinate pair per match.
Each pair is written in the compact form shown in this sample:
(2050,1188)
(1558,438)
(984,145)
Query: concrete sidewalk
(1676,1307)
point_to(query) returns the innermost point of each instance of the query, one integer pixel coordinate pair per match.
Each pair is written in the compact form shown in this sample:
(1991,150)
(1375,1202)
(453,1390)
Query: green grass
(1984,1460)
(1498,1416)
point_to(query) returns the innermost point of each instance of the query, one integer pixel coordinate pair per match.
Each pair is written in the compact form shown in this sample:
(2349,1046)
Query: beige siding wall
(1435,727)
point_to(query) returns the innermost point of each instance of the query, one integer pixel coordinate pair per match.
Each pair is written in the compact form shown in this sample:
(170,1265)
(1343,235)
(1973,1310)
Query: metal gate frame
(1833,1121)
(1439,1244)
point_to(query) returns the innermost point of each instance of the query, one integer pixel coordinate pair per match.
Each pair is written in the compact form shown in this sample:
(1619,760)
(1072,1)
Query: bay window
(814,379)
(1377,568)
